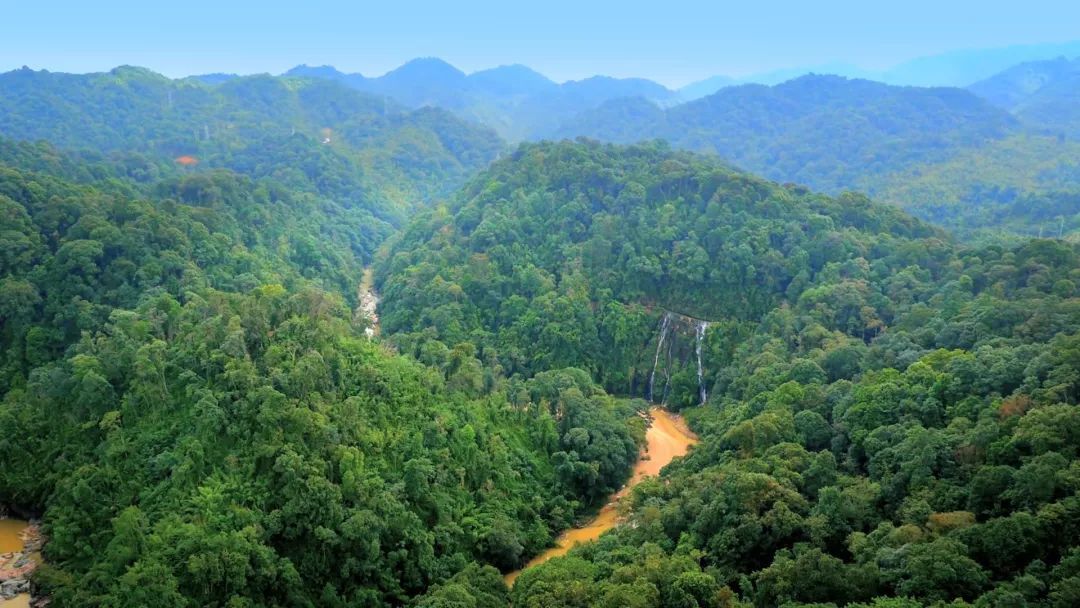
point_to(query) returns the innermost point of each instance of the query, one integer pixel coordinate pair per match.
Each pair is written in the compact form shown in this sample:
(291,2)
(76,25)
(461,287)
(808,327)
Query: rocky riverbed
(368,302)
(20,554)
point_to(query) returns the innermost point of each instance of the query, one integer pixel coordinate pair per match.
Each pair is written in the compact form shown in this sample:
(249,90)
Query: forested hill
(1013,189)
(1041,93)
(82,240)
(308,133)
(567,254)
(827,132)
(188,399)
(890,420)
(943,154)
(1011,87)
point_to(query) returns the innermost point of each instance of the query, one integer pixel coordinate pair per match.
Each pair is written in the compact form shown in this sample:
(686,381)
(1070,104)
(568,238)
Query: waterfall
(667,371)
(674,350)
(699,331)
(665,323)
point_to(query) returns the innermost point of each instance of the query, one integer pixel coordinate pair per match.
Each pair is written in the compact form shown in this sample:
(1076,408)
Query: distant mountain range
(952,69)
(520,103)
(1044,94)
(924,147)
(829,132)
(516,101)
(1001,153)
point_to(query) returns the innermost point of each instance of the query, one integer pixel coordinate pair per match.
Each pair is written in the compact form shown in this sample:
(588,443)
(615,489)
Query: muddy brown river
(667,438)
(11,541)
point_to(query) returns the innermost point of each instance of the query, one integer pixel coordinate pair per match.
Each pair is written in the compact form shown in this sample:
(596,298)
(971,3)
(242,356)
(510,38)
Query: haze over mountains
(950,69)
(516,101)
(513,98)
(1042,93)
(944,152)
(777,131)
(956,69)
(340,141)
(968,159)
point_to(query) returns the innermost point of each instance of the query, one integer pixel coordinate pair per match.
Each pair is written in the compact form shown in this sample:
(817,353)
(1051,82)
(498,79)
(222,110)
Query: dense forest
(309,134)
(889,414)
(886,405)
(564,255)
(1018,186)
(191,400)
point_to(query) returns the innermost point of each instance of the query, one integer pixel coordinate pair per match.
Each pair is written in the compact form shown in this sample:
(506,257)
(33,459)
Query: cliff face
(678,346)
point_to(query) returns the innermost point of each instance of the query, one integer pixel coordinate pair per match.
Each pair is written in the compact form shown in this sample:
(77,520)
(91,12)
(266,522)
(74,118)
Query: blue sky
(671,41)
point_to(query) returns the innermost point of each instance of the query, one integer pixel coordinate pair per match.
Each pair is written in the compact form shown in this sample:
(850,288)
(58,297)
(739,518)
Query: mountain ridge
(853,126)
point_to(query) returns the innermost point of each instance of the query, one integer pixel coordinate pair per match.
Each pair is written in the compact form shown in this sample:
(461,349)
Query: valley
(449,338)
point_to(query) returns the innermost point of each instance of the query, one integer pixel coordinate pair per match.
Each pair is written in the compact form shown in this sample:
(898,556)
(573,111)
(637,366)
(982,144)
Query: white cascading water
(702,326)
(667,371)
(664,324)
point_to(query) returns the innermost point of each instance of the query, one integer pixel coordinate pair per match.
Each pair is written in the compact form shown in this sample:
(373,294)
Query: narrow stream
(368,301)
(666,439)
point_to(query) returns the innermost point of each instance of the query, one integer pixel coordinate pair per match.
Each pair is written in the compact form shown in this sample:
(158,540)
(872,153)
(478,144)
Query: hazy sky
(671,41)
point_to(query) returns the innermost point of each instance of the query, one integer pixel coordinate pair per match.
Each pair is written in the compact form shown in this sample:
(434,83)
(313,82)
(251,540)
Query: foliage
(1023,185)
(567,254)
(827,132)
(895,424)
(308,134)
(891,417)
(189,399)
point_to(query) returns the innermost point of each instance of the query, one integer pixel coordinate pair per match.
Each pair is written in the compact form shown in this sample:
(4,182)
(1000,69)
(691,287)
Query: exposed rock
(32,538)
(675,348)
(368,303)
(11,588)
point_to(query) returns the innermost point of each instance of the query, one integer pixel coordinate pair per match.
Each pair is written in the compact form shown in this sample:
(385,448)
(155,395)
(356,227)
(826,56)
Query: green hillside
(889,414)
(308,133)
(191,403)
